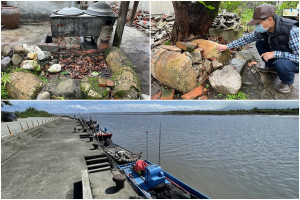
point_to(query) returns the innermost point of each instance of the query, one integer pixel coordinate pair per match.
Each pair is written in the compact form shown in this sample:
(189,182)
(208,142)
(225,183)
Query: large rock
(20,50)
(55,68)
(186,46)
(91,90)
(43,96)
(5,63)
(174,69)
(30,65)
(35,49)
(226,80)
(64,87)
(7,51)
(16,59)
(238,63)
(210,50)
(23,86)
(127,82)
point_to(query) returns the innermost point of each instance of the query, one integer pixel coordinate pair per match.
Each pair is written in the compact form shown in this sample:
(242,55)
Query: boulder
(7,51)
(91,90)
(174,69)
(43,96)
(64,87)
(198,68)
(20,50)
(23,85)
(245,54)
(171,48)
(35,49)
(16,59)
(226,80)
(210,50)
(238,64)
(186,46)
(30,65)
(5,63)
(127,82)
(216,64)
(55,68)
(196,56)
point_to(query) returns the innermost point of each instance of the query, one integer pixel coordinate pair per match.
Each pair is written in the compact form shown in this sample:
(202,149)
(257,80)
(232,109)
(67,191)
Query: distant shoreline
(205,112)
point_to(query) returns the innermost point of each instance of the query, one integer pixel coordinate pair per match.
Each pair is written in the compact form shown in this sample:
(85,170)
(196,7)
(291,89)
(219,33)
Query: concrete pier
(50,167)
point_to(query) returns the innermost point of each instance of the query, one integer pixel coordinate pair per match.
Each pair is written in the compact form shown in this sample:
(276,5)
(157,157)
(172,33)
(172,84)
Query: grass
(238,96)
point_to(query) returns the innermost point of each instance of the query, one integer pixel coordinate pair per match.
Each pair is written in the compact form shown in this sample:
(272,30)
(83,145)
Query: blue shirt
(255,36)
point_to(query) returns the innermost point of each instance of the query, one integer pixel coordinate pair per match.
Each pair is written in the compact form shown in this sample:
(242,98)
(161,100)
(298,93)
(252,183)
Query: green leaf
(207,6)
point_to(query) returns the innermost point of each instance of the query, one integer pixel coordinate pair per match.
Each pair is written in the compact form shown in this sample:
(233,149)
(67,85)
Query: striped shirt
(255,36)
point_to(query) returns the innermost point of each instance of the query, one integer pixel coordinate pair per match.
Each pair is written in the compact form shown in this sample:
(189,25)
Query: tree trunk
(192,18)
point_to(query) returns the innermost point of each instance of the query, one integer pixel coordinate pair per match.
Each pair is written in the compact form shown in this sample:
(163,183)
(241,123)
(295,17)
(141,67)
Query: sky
(143,106)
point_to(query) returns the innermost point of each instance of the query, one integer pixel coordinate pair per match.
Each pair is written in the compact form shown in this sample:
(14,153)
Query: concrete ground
(15,126)
(50,168)
(135,44)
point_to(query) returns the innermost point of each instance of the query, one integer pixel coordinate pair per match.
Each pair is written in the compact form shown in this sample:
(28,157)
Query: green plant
(207,86)
(64,73)
(5,78)
(210,7)
(220,95)
(167,43)
(94,73)
(239,96)
(4,93)
(45,80)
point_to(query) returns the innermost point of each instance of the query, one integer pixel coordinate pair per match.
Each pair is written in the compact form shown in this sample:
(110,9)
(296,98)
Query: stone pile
(36,74)
(227,27)
(161,28)
(187,67)
(227,20)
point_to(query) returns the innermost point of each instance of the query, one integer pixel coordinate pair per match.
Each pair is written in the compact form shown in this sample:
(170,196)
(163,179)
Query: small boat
(156,182)
(120,154)
(103,136)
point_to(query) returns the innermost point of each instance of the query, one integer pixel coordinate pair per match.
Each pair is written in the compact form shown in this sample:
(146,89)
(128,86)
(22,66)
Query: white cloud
(77,107)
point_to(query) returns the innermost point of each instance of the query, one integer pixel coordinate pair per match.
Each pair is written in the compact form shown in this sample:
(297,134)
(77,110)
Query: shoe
(285,88)
(270,70)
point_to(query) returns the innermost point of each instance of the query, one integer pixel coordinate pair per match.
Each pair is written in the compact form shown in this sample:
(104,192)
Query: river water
(232,156)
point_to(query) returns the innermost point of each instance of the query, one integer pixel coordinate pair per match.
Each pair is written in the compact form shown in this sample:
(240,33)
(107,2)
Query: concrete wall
(11,144)
(158,7)
(40,11)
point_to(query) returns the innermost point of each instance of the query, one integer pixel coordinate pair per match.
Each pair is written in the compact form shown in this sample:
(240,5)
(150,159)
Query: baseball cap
(262,12)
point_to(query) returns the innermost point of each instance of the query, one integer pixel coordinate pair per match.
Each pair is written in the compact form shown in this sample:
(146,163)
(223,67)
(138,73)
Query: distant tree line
(255,110)
(32,112)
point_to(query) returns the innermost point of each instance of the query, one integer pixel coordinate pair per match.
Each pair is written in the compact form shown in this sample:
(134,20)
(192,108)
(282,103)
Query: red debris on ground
(156,96)
(78,67)
(252,63)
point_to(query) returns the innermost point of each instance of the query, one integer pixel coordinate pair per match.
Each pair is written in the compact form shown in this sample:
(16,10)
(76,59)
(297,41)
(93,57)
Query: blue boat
(154,176)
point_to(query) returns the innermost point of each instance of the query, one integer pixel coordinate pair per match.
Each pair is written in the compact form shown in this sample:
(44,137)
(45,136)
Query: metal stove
(69,24)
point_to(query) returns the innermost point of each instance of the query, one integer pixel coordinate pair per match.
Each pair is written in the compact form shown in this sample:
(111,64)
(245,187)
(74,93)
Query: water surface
(232,156)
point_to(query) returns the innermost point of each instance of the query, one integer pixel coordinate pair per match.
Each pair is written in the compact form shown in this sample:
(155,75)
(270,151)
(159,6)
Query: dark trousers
(286,68)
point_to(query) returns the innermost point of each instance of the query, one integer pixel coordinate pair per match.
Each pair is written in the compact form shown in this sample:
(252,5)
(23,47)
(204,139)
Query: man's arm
(294,46)
(252,37)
